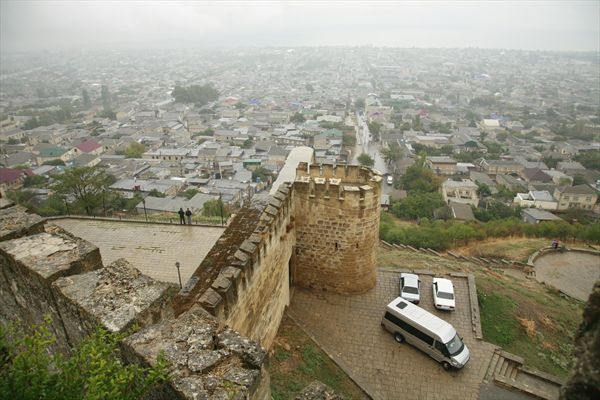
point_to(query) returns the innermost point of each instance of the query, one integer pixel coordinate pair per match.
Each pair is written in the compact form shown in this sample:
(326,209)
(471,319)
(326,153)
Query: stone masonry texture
(57,274)
(337,227)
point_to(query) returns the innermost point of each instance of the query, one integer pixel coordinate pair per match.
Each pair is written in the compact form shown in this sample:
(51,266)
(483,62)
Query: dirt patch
(529,326)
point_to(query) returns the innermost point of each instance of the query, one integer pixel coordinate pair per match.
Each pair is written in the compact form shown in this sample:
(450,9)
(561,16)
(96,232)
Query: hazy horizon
(63,25)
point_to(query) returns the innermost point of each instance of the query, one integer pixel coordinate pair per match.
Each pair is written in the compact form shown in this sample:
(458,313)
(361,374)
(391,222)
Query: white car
(443,294)
(390,179)
(410,287)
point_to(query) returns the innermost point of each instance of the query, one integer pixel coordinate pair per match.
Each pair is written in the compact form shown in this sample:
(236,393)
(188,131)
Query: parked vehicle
(390,179)
(443,294)
(428,333)
(410,287)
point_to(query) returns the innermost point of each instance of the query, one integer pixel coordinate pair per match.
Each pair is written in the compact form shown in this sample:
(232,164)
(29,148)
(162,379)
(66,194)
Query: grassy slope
(514,248)
(296,361)
(521,315)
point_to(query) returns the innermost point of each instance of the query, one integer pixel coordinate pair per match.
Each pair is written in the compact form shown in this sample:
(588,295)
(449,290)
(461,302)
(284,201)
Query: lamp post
(144,203)
(177,265)
(221,206)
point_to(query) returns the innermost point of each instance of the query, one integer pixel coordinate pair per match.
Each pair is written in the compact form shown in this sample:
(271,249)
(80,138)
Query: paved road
(151,248)
(572,272)
(348,328)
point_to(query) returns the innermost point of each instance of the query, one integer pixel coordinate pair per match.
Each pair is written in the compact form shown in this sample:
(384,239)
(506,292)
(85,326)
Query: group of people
(185,215)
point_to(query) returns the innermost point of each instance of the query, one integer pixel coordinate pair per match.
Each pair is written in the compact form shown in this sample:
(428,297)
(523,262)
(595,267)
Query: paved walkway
(151,248)
(348,329)
(572,272)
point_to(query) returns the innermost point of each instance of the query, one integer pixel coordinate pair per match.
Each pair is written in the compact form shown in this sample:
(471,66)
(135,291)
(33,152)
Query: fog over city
(530,25)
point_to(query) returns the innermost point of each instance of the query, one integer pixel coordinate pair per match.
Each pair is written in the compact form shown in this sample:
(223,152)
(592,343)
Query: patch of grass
(552,321)
(498,318)
(297,361)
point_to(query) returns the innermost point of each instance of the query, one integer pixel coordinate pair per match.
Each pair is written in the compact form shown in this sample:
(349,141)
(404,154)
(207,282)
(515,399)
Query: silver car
(410,287)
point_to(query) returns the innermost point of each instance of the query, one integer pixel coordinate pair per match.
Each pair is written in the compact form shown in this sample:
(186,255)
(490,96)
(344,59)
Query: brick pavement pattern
(349,329)
(572,272)
(151,248)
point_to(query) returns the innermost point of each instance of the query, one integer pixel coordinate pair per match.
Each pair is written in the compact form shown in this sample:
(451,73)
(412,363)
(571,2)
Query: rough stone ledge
(51,256)
(318,391)
(116,297)
(207,361)
(15,222)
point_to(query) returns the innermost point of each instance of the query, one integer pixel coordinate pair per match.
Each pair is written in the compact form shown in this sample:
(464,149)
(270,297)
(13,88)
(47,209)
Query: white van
(430,334)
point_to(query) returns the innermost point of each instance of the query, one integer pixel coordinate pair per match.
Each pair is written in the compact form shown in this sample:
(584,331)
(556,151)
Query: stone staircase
(507,370)
(504,365)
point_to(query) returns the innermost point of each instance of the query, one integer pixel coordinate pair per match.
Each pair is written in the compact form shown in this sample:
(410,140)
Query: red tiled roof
(10,175)
(89,145)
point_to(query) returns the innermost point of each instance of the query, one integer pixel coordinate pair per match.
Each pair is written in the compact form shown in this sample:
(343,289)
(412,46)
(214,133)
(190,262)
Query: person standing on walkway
(188,215)
(181,216)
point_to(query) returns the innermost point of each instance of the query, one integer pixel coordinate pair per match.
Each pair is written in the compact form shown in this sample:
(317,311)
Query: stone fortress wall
(319,232)
(46,271)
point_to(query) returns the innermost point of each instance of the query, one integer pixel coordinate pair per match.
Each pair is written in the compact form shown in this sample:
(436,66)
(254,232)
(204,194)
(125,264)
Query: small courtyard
(152,248)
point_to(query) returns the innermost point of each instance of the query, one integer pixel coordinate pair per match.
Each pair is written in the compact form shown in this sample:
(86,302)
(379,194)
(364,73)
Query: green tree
(214,208)
(34,180)
(550,161)
(105,96)
(417,205)
(135,150)
(579,180)
(366,160)
(87,103)
(189,193)
(29,370)
(55,162)
(200,95)
(261,173)
(156,193)
(297,118)
(392,153)
(309,87)
(375,129)
(420,179)
(589,159)
(85,184)
(359,104)
(484,190)
(108,113)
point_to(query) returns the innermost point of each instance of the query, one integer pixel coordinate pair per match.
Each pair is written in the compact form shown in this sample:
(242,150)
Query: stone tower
(336,212)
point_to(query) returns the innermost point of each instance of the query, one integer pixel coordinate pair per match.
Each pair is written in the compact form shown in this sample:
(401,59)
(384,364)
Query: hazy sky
(544,25)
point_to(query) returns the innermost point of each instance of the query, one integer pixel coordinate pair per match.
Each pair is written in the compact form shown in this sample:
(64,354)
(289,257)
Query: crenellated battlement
(337,226)
(241,275)
(347,187)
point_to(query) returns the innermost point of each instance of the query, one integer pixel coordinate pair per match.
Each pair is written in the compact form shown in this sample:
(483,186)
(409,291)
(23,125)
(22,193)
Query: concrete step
(492,367)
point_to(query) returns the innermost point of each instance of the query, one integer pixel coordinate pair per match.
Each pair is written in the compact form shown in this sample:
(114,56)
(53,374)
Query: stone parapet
(56,274)
(29,267)
(116,297)
(16,222)
(206,360)
(244,278)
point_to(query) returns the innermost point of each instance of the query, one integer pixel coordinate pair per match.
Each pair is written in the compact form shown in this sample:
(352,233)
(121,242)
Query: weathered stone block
(30,265)
(115,297)
(15,222)
(205,360)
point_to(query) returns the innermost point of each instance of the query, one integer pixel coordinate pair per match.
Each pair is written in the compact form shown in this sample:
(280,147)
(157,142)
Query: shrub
(28,369)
